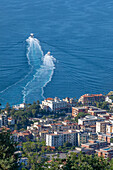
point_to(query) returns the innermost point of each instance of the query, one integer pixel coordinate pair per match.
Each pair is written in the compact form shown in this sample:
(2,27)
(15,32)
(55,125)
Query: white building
(58,139)
(107,99)
(19,106)
(3,120)
(109,128)
(55,139)
(54,105)
(90,120)
(101,126)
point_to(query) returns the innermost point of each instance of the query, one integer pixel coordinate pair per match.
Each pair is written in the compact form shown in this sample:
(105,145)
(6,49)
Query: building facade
(54,105)
(101,127)
(89,99)
(58,139)
(89,120)
(77,110)
(3,120)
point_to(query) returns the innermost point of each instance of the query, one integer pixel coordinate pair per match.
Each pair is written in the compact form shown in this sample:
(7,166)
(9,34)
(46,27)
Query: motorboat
(32,35)
(48,53)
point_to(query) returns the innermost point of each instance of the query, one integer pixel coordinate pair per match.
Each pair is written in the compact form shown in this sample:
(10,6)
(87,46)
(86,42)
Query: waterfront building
(19,106)
(107,99)
(54,105)
(89,99)
(70,102)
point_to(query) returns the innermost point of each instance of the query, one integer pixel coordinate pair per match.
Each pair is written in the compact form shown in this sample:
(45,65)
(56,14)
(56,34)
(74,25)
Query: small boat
(32,35)
(48,53)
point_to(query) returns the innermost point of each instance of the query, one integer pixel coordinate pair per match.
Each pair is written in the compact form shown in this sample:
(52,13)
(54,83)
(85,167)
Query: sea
(77,33)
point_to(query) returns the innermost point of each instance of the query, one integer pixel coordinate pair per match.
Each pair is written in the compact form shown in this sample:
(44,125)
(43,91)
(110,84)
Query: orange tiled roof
(38,125)
(58,124)
(66,121)
(44,131)
(4,128)
(93,126)
(49,161)
(10,118)
(15,131)
(92,95)
(49,98)
(26,134)
(52,147)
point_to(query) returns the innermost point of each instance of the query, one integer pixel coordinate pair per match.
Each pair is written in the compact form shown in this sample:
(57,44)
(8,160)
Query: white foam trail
(43,75)
(33,49)
(48,61)
(40,74)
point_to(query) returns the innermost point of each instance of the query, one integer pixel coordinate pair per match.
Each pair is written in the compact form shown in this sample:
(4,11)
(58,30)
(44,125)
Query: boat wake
(31,87)
(42,67)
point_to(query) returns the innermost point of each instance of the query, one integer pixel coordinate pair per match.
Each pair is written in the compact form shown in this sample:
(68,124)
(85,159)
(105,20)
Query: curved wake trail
(30,87)
(43,70)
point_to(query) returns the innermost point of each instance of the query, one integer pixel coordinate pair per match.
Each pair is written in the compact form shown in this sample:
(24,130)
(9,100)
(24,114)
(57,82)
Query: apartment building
(82,137)
(89,99)
(101,126)
(19,106)
(54,105)
(105,152)
(42,134)
(3,120)
(95,144)
(93,136)
(70,102)
(96,112)
(89,120)
(59,138)
(105,137)
(90,145)
(77,110)
(109,128)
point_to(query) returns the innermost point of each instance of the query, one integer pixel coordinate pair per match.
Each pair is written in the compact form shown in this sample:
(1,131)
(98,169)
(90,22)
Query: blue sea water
(79,35)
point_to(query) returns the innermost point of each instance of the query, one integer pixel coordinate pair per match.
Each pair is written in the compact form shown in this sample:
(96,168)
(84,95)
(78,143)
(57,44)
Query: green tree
(8,160)
(38,102)
(34,112)
(81,162)
(8,108)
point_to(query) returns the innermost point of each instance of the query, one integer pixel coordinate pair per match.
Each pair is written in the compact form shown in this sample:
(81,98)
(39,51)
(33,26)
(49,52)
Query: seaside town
(56,128)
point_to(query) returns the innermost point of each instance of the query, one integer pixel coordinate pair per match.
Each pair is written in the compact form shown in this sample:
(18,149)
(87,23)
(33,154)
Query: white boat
(32,35)
(48,53)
